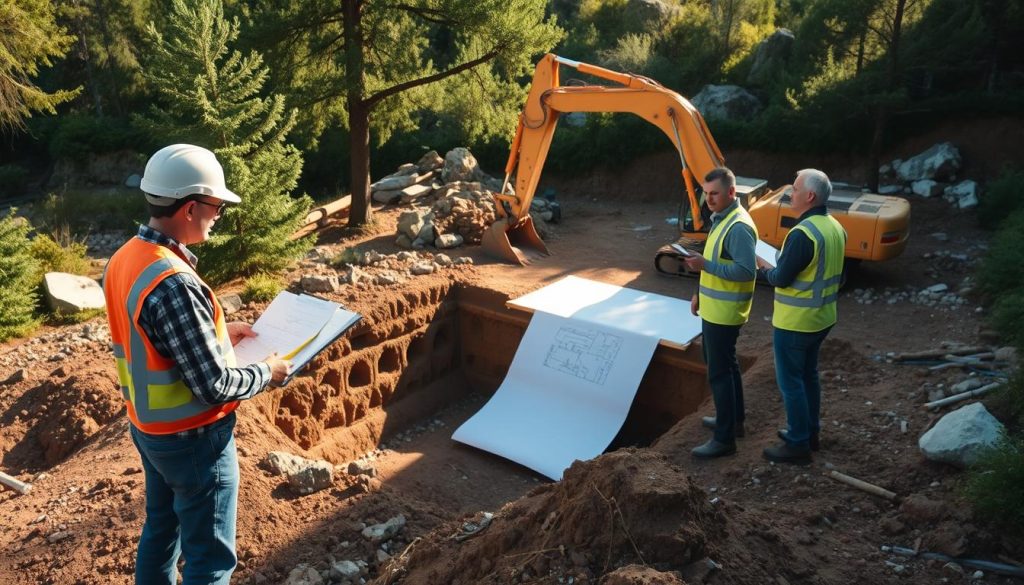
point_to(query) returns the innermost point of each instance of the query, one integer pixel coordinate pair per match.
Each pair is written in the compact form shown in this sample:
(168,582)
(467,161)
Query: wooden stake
(863,485)
(16,485)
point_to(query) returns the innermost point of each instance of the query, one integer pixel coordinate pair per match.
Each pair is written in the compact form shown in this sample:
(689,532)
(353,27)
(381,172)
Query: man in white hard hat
(177,370)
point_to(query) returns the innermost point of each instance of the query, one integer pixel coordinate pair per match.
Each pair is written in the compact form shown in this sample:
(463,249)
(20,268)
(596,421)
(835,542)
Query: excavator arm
(512,236)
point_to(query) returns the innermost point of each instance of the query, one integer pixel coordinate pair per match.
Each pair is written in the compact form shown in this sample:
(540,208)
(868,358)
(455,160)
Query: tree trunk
(877,141)
(882,109)
(359,153)
(358,114)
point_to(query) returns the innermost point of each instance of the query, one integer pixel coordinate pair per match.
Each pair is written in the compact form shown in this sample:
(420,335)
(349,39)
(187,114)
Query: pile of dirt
(606,515)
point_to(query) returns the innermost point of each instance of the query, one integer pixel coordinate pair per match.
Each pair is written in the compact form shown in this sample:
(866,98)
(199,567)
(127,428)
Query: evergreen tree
(29,38)
(18,276)
(369,65)
(211,97)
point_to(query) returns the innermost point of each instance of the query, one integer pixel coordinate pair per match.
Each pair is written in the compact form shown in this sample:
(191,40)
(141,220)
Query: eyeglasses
(220,206)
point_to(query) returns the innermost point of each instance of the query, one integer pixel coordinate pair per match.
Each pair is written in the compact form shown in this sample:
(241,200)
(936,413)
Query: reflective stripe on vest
(725,302)
(809,303)
(158,399)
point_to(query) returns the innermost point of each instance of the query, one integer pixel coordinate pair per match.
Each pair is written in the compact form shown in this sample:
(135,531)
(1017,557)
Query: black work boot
(814,441)
(713,449)
(788,453)
(710,422)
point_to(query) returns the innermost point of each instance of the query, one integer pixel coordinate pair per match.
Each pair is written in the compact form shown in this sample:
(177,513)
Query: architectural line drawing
(583,353)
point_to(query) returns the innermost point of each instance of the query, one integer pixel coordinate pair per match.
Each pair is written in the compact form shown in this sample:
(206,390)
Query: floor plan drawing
(584,353)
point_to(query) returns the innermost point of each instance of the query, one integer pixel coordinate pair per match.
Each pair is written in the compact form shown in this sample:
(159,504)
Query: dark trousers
(724,378)
(796,371)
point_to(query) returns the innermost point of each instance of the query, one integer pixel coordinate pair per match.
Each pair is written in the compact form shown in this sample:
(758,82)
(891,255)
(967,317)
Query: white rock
(421,268)
(318,283)
(393,183)
(447,241)
(939,162)
(961,436)
(964,193)
(71,293)
(304,574)
(414,192)
(926,188)
(386,531)
(342,570)
(230,303)
(442,260)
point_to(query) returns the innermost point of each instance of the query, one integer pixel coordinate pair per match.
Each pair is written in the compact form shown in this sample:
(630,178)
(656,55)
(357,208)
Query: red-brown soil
(636,515)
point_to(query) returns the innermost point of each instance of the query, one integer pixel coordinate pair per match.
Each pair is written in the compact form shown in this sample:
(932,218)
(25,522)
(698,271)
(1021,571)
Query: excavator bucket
(518,244)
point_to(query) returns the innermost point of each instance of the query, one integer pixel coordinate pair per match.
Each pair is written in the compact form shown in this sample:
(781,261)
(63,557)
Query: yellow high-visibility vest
(808,304)
(725,302)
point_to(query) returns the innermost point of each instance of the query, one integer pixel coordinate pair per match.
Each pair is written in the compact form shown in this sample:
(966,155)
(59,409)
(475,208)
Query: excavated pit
(425,349)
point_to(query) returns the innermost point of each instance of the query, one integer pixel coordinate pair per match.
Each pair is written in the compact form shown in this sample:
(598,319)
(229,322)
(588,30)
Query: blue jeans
(796,371)
(191,501)
(724,378)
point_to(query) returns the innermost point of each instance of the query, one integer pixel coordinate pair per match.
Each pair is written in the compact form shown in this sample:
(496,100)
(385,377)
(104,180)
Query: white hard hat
(180,170)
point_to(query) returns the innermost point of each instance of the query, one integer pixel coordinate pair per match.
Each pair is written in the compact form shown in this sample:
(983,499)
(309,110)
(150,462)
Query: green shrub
(13,179)
(67,255)
(91,210)
(1007,315)
(1002,272)
(1000,198)
(261,287)
(18,276)
(994,484)
(1007,403)
(79,136)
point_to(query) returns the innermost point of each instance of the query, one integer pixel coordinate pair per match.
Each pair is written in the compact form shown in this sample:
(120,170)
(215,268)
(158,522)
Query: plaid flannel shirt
(177,317)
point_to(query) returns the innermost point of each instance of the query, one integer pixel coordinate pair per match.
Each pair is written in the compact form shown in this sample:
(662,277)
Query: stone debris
(230,303)
(304,475)
(930,174)
(386,531)
(452,201)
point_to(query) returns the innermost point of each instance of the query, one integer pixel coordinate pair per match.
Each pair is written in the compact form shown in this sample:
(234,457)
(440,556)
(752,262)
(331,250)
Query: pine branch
(386,93)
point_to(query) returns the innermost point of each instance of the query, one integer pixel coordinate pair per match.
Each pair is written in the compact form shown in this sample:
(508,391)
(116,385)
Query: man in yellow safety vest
(806,281)
(726,291)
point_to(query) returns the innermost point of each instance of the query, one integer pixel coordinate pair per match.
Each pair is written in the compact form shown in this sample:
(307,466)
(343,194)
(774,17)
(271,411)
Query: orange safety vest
(158,399)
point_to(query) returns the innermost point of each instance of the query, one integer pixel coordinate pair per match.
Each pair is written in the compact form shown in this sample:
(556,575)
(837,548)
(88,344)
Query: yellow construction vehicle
(877,226)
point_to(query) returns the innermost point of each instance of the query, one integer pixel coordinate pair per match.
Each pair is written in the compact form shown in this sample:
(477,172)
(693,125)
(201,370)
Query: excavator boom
(878,226)
(513,237)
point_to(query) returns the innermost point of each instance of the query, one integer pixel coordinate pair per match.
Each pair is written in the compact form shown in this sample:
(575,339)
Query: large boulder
(460,165)
(770,57)
(727,102)
(940,162)
(71,293)
(961,436)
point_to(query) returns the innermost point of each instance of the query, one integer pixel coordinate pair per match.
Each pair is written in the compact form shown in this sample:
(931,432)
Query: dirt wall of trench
(422,349)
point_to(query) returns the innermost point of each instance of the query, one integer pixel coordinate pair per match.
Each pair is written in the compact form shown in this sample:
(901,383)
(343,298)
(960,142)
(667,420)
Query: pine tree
(211,97)
(18,279)
(29,39)
(373,66)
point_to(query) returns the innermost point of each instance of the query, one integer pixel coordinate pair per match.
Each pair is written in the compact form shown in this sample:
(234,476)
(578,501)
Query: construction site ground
(646,511)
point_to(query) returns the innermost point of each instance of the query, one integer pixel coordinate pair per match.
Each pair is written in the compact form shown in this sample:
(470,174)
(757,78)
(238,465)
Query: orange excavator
(877,226)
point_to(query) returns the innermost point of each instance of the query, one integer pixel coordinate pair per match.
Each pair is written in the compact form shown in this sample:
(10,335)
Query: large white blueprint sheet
(565,396)
(659,316)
